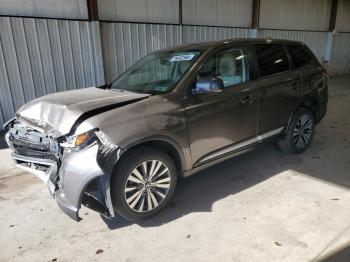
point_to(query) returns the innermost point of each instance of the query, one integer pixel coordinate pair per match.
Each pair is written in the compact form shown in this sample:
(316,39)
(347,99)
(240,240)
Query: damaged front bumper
(44,169)
(77,177)
(82,181)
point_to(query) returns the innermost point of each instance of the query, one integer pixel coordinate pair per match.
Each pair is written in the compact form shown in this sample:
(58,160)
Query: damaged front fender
(84,178)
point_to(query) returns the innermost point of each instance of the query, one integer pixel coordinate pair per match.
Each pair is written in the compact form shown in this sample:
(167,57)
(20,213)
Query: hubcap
(302,132)
(147,186)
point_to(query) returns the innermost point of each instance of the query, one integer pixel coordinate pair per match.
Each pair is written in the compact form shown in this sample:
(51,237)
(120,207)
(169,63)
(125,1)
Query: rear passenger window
(271,59)
(299,55)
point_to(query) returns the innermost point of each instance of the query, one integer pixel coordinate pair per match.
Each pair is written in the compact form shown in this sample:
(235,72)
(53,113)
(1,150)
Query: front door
(219,121)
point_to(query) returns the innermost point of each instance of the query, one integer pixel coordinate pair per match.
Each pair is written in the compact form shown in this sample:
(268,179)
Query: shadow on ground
(342,254)
(199,192)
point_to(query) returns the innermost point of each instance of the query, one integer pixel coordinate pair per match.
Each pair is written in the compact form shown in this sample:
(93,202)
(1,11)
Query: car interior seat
(227,70)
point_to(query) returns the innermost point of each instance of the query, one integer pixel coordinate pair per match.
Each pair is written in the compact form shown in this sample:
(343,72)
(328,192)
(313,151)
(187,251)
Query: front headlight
(79,141)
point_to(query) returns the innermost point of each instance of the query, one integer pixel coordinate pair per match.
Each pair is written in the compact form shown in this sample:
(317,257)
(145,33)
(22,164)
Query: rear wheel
(144,183)
(300,132)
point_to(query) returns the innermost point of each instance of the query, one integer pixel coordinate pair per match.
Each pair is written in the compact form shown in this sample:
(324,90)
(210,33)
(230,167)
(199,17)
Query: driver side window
(231,66)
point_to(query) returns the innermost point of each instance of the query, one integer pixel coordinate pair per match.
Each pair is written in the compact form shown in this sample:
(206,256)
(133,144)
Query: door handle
(248,99)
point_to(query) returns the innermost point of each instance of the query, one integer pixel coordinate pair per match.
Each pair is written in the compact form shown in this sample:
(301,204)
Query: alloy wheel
(302,132)
(147,186)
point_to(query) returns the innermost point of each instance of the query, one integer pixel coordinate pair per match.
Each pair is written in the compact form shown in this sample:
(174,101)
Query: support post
(333,18)
(180,12)
(255,18)
(331,31)
(328,49)
(92,10)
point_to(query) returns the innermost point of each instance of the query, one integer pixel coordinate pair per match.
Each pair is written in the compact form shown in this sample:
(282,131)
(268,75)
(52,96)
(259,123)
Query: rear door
(307,65)
(279,87)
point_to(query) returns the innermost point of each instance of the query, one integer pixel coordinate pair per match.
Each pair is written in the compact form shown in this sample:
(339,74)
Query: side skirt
(231,151)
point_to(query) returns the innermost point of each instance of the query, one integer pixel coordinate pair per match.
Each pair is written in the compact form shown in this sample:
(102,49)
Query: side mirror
(208,85)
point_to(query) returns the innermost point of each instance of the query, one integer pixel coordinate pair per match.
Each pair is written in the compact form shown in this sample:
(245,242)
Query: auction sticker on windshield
(182,58)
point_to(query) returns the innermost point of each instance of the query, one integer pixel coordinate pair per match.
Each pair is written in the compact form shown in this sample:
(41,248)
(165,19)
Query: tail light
(325,73)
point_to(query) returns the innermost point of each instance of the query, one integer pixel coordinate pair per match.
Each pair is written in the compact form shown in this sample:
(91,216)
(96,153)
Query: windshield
(156,73)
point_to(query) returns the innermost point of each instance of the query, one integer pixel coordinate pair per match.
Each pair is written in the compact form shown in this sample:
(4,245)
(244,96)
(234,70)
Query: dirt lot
(262,206)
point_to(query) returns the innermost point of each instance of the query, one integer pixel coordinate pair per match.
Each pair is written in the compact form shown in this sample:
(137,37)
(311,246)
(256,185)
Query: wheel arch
(313,104)
(163,143)
(309,102)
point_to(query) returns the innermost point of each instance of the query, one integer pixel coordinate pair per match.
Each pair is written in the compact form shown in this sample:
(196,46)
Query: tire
(143,184)
(300,132)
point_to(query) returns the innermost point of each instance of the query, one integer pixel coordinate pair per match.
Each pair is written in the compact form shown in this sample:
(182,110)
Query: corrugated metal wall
(125,43)
(295,15)
(234,13)
(316,41)
(340,60)
(72,9)
(156,11)
(40,56)
(206,33)
(343,16)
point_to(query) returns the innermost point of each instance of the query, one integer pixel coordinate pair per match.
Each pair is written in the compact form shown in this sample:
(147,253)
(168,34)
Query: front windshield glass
(156,73)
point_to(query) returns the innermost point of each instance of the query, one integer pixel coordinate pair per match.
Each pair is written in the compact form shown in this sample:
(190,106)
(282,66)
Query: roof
(214,44)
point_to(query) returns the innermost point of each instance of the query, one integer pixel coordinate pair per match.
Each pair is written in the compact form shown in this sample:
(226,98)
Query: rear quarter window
(272,59)
(300,56)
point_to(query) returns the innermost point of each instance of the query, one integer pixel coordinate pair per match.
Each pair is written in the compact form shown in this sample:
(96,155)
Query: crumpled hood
(56,114)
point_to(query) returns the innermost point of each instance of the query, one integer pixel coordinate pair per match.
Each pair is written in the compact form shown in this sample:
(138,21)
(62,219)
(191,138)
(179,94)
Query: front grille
(27,142)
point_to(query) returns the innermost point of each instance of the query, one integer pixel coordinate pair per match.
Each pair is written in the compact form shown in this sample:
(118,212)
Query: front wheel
(300,132)
(143,184)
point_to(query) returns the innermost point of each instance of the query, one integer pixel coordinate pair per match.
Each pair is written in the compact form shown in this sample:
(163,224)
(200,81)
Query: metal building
(50,46)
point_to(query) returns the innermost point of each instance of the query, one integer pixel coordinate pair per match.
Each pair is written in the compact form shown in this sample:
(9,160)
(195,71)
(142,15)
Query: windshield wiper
(104,86)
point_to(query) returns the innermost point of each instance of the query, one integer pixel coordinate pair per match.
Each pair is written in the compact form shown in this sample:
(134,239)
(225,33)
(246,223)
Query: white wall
(235,13)
(73,9)
(343,16)
(295,14)
(156,11)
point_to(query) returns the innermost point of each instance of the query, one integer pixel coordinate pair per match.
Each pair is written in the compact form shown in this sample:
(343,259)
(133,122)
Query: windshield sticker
(178,58)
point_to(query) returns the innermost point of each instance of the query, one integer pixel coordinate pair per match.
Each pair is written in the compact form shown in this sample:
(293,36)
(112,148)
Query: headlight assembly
(86,139)
(79,141)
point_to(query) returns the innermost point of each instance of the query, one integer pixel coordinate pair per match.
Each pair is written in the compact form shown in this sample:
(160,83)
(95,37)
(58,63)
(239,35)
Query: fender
(107,160)
(185,158)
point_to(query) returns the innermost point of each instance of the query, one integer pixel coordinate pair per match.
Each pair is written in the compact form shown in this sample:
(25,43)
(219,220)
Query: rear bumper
(323,102)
